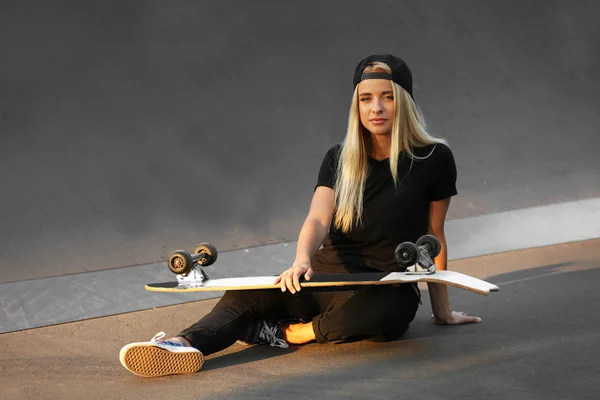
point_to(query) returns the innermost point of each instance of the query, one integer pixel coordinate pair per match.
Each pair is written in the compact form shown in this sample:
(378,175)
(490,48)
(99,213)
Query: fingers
(461,317)
(290,279)
(308,274)
(471,320)
(289,282)
(286,281)
(465,319)
(296,282)
(457,318)
(282,281)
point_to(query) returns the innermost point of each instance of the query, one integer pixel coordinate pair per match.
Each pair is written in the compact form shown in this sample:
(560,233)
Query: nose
(377,108)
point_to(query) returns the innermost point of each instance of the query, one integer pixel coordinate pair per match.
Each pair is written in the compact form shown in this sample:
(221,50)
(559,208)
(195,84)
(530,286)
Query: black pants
(362,311)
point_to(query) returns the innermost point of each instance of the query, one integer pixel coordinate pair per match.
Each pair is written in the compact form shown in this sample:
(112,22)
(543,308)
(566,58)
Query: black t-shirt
(391,215)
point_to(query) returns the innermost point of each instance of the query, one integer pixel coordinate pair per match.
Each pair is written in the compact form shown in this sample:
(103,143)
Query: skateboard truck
(184,264)
(197,275)
(418,258)
(424,265)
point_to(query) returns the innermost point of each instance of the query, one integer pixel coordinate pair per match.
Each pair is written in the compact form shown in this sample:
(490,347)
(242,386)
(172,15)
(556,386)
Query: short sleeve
(443,184)
(328,168)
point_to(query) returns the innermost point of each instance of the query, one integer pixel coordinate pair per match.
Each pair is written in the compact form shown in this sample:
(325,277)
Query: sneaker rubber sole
(152,361)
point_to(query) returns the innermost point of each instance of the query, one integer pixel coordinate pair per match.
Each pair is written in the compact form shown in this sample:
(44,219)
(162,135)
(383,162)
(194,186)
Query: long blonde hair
(409,130)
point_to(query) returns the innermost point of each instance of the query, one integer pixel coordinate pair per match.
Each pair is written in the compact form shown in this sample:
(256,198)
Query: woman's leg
(380,312)
(227,322)
(237,310)
(375,311)
(372,311)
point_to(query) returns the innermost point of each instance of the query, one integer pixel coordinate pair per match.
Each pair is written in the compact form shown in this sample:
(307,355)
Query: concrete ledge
(522,229)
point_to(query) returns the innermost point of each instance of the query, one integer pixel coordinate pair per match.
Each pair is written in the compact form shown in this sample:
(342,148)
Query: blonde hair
(409,130)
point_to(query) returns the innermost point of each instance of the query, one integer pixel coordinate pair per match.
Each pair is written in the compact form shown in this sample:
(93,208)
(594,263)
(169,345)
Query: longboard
(451,278)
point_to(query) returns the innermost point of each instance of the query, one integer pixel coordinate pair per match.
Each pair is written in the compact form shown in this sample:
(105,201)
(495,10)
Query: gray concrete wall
(129,129)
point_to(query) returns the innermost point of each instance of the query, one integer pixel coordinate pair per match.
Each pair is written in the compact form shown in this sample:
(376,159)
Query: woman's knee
(371,312)
(393,320)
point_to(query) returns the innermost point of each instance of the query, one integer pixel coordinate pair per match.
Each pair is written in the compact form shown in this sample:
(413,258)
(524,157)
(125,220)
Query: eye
(364,99)
(389,97)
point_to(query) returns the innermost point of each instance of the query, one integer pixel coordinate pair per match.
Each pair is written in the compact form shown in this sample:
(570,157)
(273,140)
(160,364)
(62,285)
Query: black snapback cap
(400,72)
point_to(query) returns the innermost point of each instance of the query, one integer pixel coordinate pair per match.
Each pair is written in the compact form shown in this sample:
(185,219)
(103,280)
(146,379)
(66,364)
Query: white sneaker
(160,357)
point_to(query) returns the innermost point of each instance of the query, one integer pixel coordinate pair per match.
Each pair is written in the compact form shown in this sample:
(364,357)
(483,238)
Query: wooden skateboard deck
(451,278)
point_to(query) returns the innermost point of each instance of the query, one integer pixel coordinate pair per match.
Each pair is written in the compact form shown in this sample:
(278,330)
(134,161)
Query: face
(376,105)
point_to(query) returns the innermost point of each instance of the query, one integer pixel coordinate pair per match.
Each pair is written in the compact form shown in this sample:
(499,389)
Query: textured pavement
(538,340)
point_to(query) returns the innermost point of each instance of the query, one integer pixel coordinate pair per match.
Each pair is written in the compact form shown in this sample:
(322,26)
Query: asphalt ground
(538,340)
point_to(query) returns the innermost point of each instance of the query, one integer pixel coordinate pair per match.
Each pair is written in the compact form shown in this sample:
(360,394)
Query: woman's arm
(438,293)
(311,237)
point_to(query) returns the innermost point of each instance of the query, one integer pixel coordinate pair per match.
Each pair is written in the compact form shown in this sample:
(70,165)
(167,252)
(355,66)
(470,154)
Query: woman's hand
(290,278)
(456,318)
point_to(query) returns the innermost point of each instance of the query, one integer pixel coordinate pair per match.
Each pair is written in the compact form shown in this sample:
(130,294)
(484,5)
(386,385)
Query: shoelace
(269,334)
(157,339)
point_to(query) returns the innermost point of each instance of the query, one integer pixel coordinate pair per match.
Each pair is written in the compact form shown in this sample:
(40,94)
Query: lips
(378,121)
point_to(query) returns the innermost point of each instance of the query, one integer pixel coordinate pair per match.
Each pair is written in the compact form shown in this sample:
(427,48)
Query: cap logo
(376,75)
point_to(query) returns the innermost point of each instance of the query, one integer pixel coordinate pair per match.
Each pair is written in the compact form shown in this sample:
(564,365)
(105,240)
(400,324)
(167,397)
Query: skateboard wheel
(431,244)
(211,252)
(406,254)
(180,262)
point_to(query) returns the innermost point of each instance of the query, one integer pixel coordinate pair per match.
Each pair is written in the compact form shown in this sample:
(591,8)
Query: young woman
(387,183)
